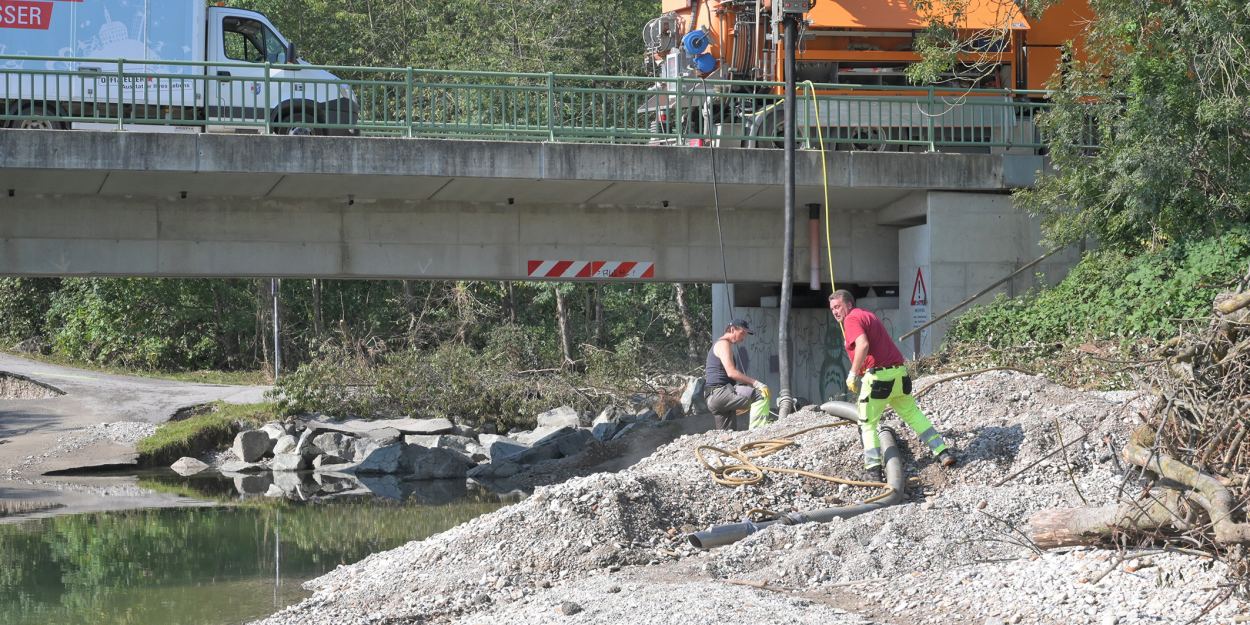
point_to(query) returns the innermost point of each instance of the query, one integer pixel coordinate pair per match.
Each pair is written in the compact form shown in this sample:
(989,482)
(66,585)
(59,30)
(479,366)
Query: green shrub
(202,432)
(1112,296)
(457,382)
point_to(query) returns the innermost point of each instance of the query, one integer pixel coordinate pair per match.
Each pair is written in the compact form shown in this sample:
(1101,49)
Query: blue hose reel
(696,43)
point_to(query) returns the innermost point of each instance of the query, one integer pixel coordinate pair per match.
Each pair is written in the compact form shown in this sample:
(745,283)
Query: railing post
(932,106)
(268,120)
(551,106)
(677,109)
(121,65)
(408,117)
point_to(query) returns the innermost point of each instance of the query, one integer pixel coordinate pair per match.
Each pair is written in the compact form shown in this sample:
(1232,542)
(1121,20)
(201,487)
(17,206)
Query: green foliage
(587,37)
(452,380)
(199,433)
(149,324)
(23,302)
(1166,94)
(1111,295)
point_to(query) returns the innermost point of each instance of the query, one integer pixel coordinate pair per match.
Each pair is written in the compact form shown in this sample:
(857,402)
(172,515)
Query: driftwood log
(1201,502)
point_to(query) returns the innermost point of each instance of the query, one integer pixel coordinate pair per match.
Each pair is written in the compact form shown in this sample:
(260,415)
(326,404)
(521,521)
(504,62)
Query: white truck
(172,65)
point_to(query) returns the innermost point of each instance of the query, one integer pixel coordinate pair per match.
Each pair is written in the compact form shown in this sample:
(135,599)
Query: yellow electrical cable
(824,179)
(746,471)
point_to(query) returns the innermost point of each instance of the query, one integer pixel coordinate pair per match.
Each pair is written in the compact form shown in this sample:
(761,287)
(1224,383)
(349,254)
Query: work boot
(946,459)
(872,474)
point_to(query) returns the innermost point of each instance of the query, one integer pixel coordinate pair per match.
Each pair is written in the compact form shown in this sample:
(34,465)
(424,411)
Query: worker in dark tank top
(727,388)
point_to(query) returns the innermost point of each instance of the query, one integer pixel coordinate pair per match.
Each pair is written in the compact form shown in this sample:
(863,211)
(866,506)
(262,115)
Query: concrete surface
(135,204)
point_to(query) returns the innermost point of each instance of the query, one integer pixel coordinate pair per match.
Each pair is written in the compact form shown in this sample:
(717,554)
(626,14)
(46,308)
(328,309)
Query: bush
(202,432)
(457,382)
(1113,296)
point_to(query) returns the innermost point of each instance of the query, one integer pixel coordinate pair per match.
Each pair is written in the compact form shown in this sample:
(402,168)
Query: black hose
(784,400)
(719,535)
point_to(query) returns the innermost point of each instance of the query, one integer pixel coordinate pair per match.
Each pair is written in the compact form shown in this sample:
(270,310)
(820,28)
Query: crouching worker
(727,389)
(879,379)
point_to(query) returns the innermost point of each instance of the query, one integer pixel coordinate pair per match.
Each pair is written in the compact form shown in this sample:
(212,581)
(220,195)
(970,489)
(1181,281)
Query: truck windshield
(251,41)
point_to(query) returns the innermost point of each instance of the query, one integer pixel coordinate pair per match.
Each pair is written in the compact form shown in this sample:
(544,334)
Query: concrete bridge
(138,204)
(914,233)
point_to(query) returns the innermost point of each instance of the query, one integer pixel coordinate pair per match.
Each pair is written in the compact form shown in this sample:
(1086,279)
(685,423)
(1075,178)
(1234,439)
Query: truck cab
(164,65)
(297,96)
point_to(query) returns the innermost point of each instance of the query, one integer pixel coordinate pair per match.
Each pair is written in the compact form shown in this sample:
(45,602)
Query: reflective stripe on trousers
(871,408)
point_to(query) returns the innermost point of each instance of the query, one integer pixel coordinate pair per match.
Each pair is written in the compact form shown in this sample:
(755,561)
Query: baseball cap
(742,323)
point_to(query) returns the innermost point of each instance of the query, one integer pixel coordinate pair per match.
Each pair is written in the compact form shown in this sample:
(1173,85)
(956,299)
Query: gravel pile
(611,547)
(120,432)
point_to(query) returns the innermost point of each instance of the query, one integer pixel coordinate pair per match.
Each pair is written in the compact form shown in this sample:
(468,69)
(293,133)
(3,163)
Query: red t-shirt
(881,349)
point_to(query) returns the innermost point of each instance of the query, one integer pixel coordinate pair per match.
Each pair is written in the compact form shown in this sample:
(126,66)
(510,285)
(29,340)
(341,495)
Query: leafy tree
(1166,94)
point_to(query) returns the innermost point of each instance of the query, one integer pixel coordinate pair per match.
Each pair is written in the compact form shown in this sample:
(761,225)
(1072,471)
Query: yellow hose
(745,471)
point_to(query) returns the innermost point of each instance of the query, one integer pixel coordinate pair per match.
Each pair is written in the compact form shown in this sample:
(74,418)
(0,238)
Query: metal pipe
(784,401)
(982,292)
(720,535)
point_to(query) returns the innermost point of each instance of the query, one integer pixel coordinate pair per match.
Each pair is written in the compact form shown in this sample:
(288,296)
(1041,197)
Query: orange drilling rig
(863,46)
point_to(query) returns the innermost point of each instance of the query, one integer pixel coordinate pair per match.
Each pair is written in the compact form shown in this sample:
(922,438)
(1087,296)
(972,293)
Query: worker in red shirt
(879,379)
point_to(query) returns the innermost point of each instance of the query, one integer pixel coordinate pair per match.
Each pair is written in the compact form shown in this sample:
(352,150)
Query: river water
(219,565)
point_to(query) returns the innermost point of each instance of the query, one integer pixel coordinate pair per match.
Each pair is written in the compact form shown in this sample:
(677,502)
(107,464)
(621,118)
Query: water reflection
(212,566)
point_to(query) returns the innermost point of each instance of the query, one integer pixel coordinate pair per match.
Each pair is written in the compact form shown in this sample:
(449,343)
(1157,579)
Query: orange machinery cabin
(871,42)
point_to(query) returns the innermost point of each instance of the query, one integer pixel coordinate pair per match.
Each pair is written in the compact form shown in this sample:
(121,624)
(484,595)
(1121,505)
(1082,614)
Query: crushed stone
(614,544)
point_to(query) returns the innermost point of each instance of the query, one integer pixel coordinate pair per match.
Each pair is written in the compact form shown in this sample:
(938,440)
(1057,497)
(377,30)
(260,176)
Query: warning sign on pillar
(919,294)
(919,301)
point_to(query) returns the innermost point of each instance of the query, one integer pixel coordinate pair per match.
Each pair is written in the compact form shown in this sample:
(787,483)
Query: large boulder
(304,446)
(285,444)
(335,444)
(238,466)
(327,461)
(559,444)
(374,458)
(424,426)
(607,415)
(274,430)
(289,462)
(563,416)
(604,431)
(188,466)
(499,447)
(384,436)
(692,402)
(251,445)
(541,433)
(430,463)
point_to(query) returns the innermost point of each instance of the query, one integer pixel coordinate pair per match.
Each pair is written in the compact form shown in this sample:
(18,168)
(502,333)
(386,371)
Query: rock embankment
(320,456)
(611,547)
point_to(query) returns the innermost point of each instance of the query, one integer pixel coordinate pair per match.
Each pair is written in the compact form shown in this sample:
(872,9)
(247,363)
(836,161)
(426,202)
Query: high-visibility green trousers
(891,387)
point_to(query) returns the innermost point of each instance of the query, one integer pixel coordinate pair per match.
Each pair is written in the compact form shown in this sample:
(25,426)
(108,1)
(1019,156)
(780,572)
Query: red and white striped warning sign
(590,269)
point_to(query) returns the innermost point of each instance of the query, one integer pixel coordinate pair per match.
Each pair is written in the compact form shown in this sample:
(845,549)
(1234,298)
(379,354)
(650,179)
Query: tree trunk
(510,301)
(263,315)
(601,335)
(1066,527)
(562,319)
(687,325)
(319,325)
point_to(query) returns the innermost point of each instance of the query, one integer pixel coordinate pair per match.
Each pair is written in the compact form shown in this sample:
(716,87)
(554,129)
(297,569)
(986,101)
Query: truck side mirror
(290,53)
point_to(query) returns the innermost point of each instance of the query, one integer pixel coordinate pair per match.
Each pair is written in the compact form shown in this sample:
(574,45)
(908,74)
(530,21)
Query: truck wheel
(297,126)
(41,109)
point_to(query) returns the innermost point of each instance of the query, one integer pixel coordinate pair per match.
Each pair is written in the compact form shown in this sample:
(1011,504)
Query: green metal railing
(408,102)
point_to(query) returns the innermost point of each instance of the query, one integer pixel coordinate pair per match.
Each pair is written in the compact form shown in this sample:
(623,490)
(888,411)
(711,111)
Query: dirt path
(96,422)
